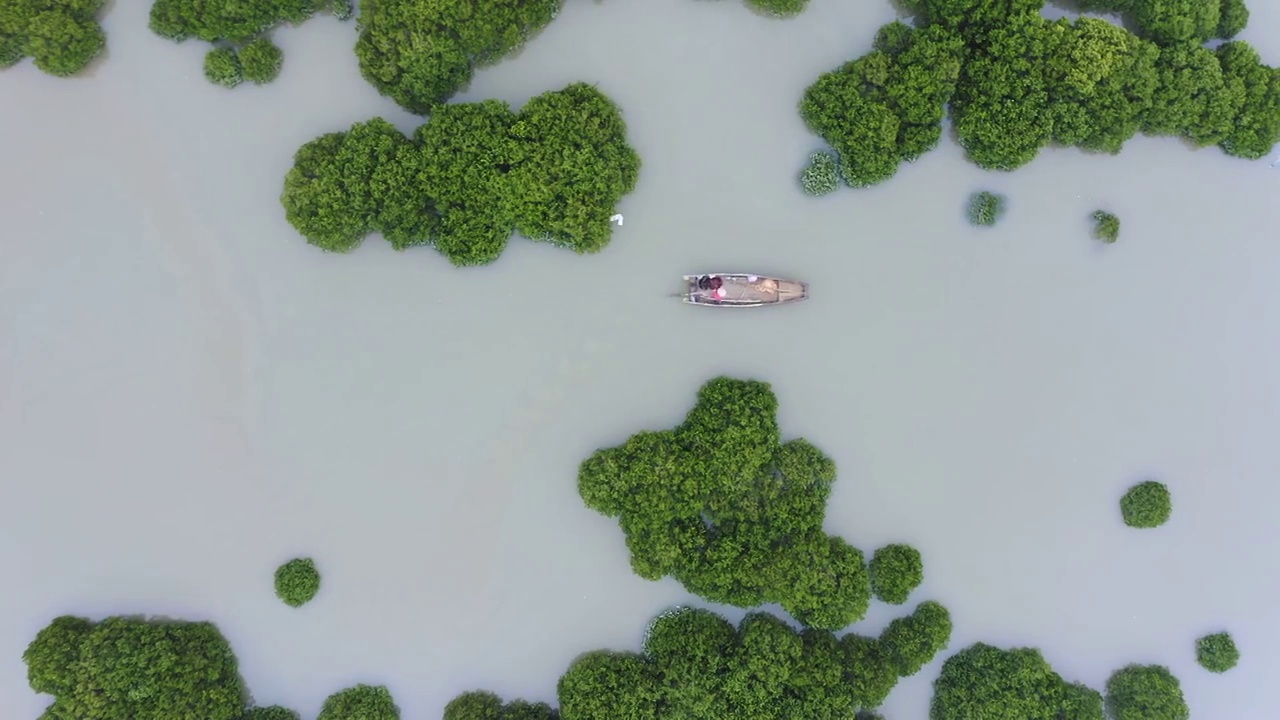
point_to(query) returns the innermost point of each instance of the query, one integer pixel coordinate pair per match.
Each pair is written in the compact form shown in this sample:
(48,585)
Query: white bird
(617,218)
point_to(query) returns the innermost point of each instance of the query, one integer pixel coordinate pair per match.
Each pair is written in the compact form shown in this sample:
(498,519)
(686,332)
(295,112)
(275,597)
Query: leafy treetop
(421,52)
(1217,652)
(983,681)
(721,505)
(1015,81)
(297,581)
(228,20)
(896,570)
(1146,505)
(470,177)
(362,702)
(695,664)
(1145,692)
(133,669)
(271,712)
(63,36)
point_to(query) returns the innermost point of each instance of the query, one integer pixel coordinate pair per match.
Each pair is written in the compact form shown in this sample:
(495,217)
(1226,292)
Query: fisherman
(704,282)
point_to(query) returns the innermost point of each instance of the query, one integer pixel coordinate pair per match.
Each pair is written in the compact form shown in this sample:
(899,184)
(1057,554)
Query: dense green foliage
(421,52)
(887,106)
(1217,652)
(1146,505)
(235,23)
(821,175)
(987,682)
(896,570)
(470,177)
(1015,82)
(132,669)
(362,702)
(1145,692)
(261,60)
(779,8)
(222,67)
(271,712)
(62,36)
(297,581)
(723,506)
(1106,227)
(985,208)
(697,665)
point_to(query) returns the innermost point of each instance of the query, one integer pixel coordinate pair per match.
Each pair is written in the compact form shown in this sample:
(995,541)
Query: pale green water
(190,394)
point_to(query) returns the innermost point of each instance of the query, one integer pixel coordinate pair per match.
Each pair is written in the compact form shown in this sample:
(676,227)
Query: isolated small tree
(821,175)
(362,702)
(985,208)
(779,8)
(1145,692)
(1146,505)
(261,61)
(896,570)
(297,581)
(222,67)
(1106,227)
(1217,652)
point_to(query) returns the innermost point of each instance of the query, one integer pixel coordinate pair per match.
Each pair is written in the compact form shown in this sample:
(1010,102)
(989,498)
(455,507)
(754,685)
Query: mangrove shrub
(723,506)
(261,60)
(1106,226)
(236,24)
(297,581)
(821,175)
(62,36)
(222,67)
(362,702)
(1145,692)
(1146,505)
(271,712)
(126,668)
(1015,82)
(695,664)
(470,177)
(1217,652)
(896,570)
(983,681)
(421,52)
(985,208)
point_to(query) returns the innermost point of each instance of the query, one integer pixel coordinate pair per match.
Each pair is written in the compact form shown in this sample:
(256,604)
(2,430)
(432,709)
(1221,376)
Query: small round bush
(896,570)
(1146,505)
(1145,692)
(261,61)
(821,175)
(343,9)
(1106,227)
(297,581)
(779,8)
(222,67)
(985,208)
(1217,652)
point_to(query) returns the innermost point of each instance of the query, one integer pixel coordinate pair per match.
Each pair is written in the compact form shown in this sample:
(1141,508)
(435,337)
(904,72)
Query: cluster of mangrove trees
(735,515)
(695,664)
(1015,82)
(61,36)
(470,177)
(239,32)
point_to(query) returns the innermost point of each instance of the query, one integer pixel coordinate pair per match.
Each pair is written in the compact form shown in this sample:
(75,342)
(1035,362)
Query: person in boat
(704,282)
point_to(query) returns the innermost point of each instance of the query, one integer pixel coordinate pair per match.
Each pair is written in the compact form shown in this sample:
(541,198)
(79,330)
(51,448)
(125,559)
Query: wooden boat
(743,290)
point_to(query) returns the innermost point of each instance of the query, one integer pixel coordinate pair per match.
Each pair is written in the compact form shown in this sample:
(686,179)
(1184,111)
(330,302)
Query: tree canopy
(62,36)
(896,570)
(472,175)
(1145,692)
(126,668)
(362,702)
(723,506)
(697,665)
(1217,653)
(233,24)
(1015,82)
(422,52)
(1146,505)
(983,681)
(297,581)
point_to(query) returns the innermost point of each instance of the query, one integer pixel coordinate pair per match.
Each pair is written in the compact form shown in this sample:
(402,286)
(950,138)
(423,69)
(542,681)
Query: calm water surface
(190,394)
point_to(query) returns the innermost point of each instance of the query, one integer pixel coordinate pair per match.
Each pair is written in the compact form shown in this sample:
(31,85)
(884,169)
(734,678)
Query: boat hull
(744,290)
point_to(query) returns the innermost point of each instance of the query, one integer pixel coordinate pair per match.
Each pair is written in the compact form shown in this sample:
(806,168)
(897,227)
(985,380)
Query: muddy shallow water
(190,394)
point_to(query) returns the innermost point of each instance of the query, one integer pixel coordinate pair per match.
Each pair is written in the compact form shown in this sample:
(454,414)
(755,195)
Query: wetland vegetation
(985,208)
(470,177)
(1217,653)
(61,36)
(1015,82)
(297,582)
(1146,505)
(1106,226)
